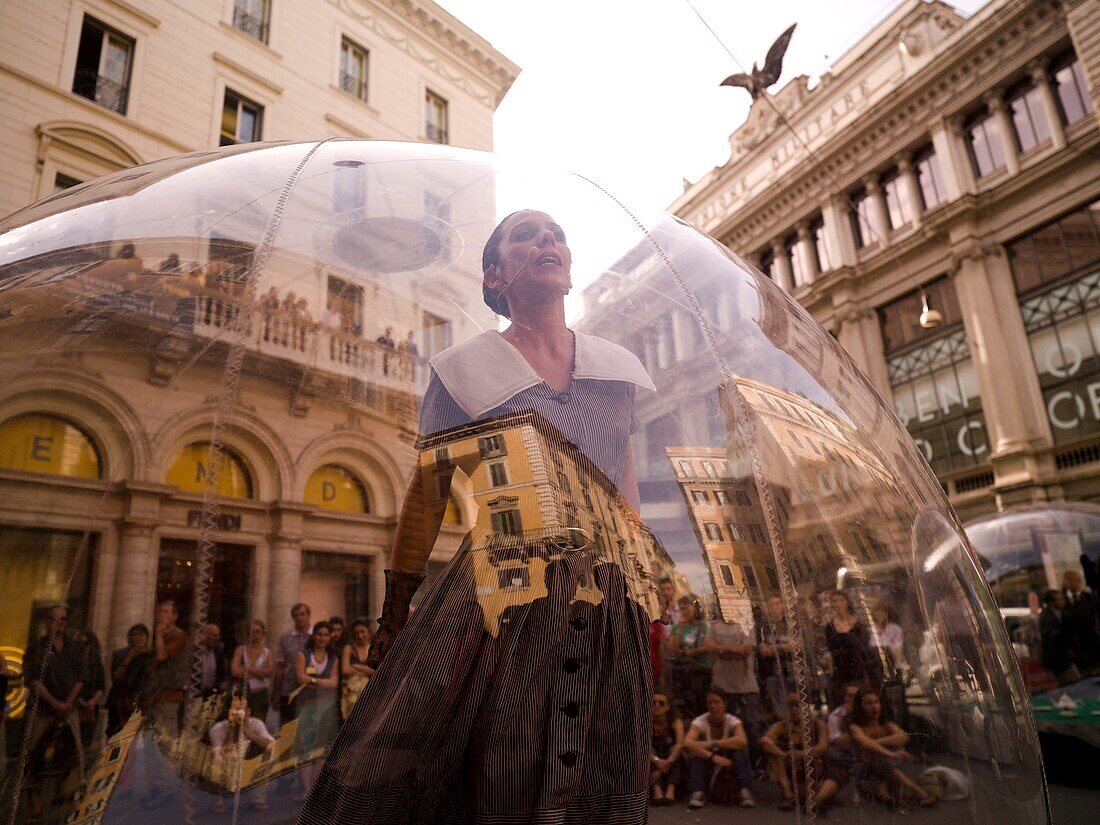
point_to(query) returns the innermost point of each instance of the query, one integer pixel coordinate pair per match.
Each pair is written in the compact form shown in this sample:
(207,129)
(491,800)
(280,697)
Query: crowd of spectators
(256,689)
(727,712)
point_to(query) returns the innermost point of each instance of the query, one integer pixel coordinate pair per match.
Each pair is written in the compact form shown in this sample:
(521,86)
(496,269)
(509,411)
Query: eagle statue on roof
(758,80)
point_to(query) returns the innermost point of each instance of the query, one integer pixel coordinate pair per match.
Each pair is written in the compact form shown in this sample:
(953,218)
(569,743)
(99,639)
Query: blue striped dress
(546,722)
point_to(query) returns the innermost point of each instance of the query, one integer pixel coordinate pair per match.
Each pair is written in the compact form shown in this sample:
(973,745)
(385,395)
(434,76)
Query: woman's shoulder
(607,361)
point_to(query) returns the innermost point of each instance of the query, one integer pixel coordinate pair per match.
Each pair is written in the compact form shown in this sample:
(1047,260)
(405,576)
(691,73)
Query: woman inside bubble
(547,715)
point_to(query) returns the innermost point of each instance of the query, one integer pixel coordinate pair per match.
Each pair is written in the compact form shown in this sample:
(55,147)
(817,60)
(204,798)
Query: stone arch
(254,442)
(87,140)
(111,422)
(376,469)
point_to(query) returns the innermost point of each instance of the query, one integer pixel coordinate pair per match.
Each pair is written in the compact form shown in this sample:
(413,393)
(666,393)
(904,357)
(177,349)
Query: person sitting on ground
(717,740)
(239,735)
(881,745)
(668,744)
(842,763)
(787,752)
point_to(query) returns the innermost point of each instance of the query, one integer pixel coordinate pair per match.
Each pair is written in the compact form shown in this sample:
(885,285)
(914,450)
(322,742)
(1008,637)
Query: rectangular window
(713,531)
(900,319)
(685,468)
(242,120)
(748,575)
(727,574)
(1028,118)
(860,216)
(735,531)
(252,17)
(773,582)
(1062,315)
(353,69)
(932,191)
(797,441)
(1073,96)
(507,521)
(756,533)
(742,498)
(498,474)
(700,497)
(896,208)
(983,139)
(514,577)
(62,182)
(435,117)
(708,468)
(563,481)
(821,245)
(722,497)
(103,63)
(491,445)
(442,457)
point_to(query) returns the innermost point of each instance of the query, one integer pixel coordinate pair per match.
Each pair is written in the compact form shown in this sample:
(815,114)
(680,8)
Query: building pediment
(86,139)
(767,115)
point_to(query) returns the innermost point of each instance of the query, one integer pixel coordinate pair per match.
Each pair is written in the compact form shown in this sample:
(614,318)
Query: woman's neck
(539,324)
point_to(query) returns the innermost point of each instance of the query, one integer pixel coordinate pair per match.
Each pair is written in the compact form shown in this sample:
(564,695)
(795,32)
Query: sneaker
(697,800)
(786,804)
(747,800)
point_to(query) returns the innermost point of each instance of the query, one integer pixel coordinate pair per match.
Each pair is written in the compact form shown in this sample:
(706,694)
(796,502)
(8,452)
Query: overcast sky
(626,91)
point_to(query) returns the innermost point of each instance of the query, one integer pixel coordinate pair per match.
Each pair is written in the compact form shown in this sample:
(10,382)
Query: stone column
(949,143)
(809,254)
(910,189)
(285,581)
(880,224)
(995,101)
(782,266)
(135,579)
(838,231)
(1042,80)
(858,334)
(997,371)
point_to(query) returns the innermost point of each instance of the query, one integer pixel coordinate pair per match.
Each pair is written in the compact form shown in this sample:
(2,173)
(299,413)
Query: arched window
(336,488)
(48,444)
(192,467)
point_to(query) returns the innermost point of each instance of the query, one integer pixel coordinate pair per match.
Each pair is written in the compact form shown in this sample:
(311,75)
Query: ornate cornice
(435,25)
(972,63)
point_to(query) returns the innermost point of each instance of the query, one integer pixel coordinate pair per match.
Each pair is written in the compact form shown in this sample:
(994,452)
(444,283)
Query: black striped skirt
(538,713)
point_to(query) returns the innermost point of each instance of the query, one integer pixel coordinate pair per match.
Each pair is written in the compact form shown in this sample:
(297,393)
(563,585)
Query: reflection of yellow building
(536,496)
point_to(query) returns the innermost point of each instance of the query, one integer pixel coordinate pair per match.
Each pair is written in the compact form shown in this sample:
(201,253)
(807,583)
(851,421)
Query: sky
(627,92)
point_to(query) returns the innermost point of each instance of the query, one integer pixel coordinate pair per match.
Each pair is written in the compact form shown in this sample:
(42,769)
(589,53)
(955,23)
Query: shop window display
(517,682)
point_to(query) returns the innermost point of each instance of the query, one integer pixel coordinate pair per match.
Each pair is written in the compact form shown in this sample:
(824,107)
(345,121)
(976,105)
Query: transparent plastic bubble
(1041,562)
(247,380)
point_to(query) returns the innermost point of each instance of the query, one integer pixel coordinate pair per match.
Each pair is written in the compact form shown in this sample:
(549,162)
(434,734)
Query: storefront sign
(228,522)
(1068,365)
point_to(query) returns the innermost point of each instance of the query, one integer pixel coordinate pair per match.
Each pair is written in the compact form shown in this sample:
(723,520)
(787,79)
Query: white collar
(484,372)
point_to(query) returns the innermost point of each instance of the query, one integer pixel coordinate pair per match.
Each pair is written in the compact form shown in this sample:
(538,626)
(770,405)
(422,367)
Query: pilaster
(995,101)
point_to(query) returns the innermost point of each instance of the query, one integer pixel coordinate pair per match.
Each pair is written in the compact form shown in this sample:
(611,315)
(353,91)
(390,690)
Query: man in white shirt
(716,741)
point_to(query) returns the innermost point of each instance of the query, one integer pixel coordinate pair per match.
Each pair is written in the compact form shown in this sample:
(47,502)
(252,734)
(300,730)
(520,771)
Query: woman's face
(337,632)
(359,634)
(322,637)
(255,633)
(871,706)
(839,605)
(534,249)
(139,640)
(660,704)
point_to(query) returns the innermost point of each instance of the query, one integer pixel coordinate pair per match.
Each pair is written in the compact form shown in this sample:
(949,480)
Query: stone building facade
(113,372)
(950,163)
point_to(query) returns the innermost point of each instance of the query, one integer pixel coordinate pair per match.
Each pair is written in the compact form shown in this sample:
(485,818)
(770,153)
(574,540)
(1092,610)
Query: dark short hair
(297,605)
(138,628)
(490,256)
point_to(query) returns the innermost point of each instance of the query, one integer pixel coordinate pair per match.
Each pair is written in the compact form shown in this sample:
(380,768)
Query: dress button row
(571,665)
(579,623)
(569,759)
(571,709)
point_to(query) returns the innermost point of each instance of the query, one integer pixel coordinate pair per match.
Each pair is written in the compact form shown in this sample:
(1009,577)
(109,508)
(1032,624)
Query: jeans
(700,770)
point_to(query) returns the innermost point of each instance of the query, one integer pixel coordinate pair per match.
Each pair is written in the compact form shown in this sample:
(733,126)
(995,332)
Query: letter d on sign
(328,491)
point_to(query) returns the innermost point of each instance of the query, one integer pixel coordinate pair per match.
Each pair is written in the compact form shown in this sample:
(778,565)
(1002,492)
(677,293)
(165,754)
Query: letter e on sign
(40,447)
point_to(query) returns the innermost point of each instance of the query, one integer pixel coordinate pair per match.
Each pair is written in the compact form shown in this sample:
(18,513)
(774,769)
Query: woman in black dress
(546,719)
(854,660)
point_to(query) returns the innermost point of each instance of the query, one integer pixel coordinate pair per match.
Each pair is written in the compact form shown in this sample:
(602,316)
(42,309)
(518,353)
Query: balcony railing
(436,134)
(353,84)
(104,91)
(288,337)
(252,26)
